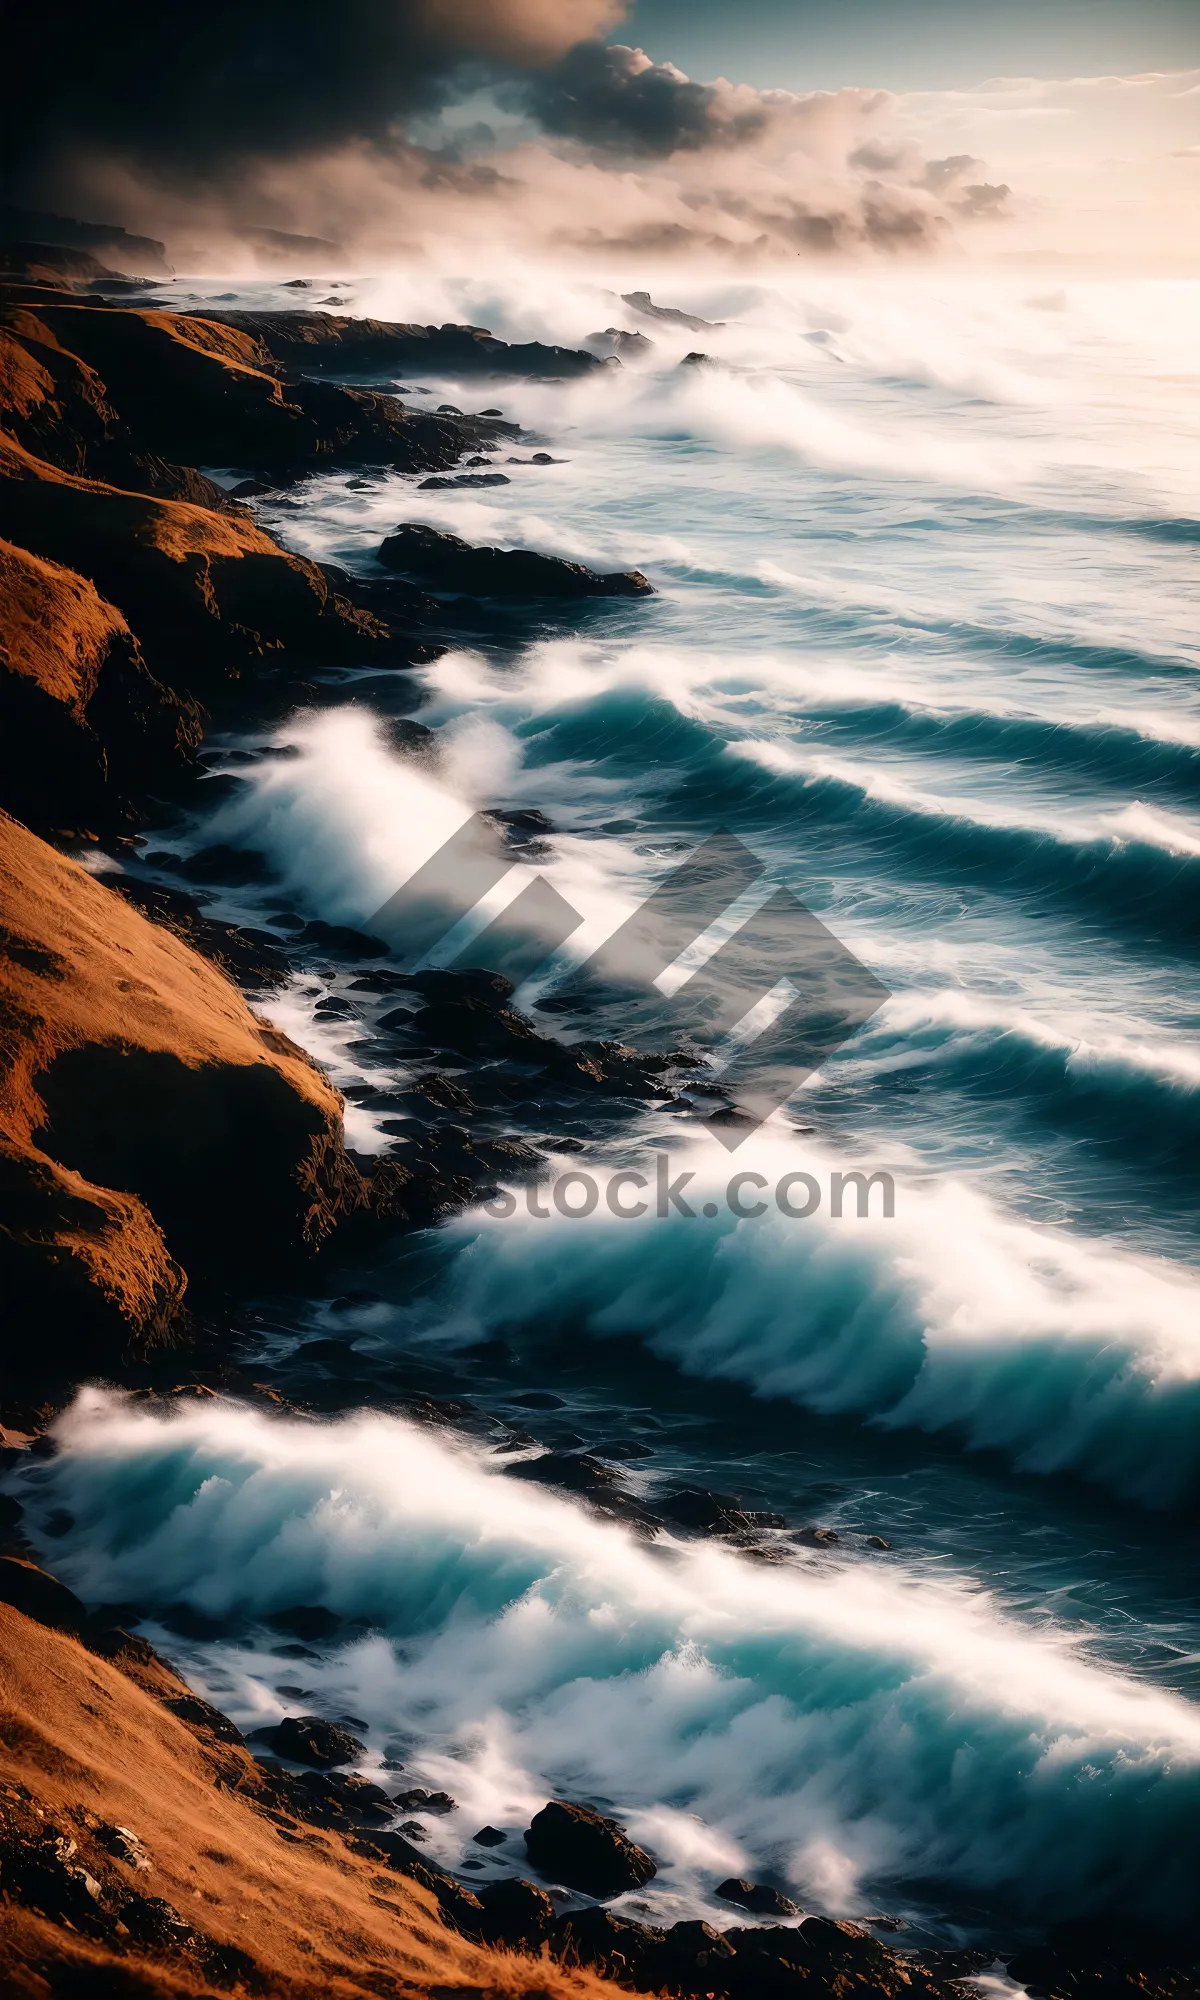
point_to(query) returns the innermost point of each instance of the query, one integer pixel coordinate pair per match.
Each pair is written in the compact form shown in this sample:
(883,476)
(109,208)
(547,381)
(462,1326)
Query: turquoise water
(925,638)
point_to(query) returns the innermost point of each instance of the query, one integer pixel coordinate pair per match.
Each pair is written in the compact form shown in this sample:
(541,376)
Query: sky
(914,44)
(623,129)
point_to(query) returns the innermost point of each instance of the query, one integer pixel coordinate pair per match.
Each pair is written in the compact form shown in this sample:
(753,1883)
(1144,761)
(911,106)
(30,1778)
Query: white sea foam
(949,1316)
(840,1721)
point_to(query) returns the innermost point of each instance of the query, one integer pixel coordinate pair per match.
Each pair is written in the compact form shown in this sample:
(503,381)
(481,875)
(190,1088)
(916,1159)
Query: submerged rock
(445,562)
(579,1846)
(757,1897)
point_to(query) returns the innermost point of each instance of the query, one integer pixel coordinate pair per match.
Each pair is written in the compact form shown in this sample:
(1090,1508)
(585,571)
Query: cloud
(179,92)
(618,98)
(938,175)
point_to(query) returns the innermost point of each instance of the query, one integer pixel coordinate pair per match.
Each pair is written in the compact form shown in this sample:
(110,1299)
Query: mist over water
(924,638)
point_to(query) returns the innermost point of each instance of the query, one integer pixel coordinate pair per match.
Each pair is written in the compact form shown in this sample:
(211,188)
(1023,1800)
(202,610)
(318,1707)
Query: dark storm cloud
(617,99)
(178,90)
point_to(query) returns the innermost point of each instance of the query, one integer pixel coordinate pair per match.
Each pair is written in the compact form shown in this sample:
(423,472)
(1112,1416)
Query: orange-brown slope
(148,1120)
(82,719)
(263,1905)
(206,593)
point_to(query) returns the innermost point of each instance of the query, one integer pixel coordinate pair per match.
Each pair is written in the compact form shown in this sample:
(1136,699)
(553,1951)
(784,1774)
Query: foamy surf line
(852,1729)
(948,1315)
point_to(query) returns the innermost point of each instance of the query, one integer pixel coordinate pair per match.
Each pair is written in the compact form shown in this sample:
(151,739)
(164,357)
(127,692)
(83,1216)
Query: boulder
(445,562)
(308,1739)
(758,1897)
(579,1846)
(516,1913)
(619,1949)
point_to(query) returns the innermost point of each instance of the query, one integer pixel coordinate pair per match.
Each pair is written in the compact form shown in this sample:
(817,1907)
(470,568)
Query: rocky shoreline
(163,1150)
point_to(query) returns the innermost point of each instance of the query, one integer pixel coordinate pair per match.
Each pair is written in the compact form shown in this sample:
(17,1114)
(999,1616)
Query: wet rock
(877,1542)
(572,1472)
(581,1847)
(489,1836)
(757,1897)
(670,315)
(539,1399)
(411,739)
(202,1715)
(222,863)
(340,941)
(422,1801)
(626,346)
(440,481)
(307,1739)
(704,1512)
(445,562)
(815,1538)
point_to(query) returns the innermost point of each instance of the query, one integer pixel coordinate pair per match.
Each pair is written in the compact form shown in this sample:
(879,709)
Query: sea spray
(856,1729)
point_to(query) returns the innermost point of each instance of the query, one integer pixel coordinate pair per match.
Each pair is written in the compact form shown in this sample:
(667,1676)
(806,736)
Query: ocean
(924,639)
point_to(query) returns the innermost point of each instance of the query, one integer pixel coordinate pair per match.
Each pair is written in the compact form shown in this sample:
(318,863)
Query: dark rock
(670,315)
(579,1846)
(539,1399)
(306,1739)
(612,1945)
(340,941)
(572,1472)
(441,481)
(693,1958)
(815,1538)
(877,1542)
(445,562)
(411,739)
(306,1621)
(516,1913)
(357,1797)
(489,1836)
(249,489)
(202,1715)
(707,1513)
(758,1897)
(422,1801)
(314,340)
(40,1596)
(250,957)
(222,863)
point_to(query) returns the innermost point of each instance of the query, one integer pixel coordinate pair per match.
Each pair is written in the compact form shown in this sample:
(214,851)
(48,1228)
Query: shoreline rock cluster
(139,599)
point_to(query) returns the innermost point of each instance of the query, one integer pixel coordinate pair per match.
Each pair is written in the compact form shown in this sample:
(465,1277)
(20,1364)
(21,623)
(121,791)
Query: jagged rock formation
(325,341)
(444,562)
